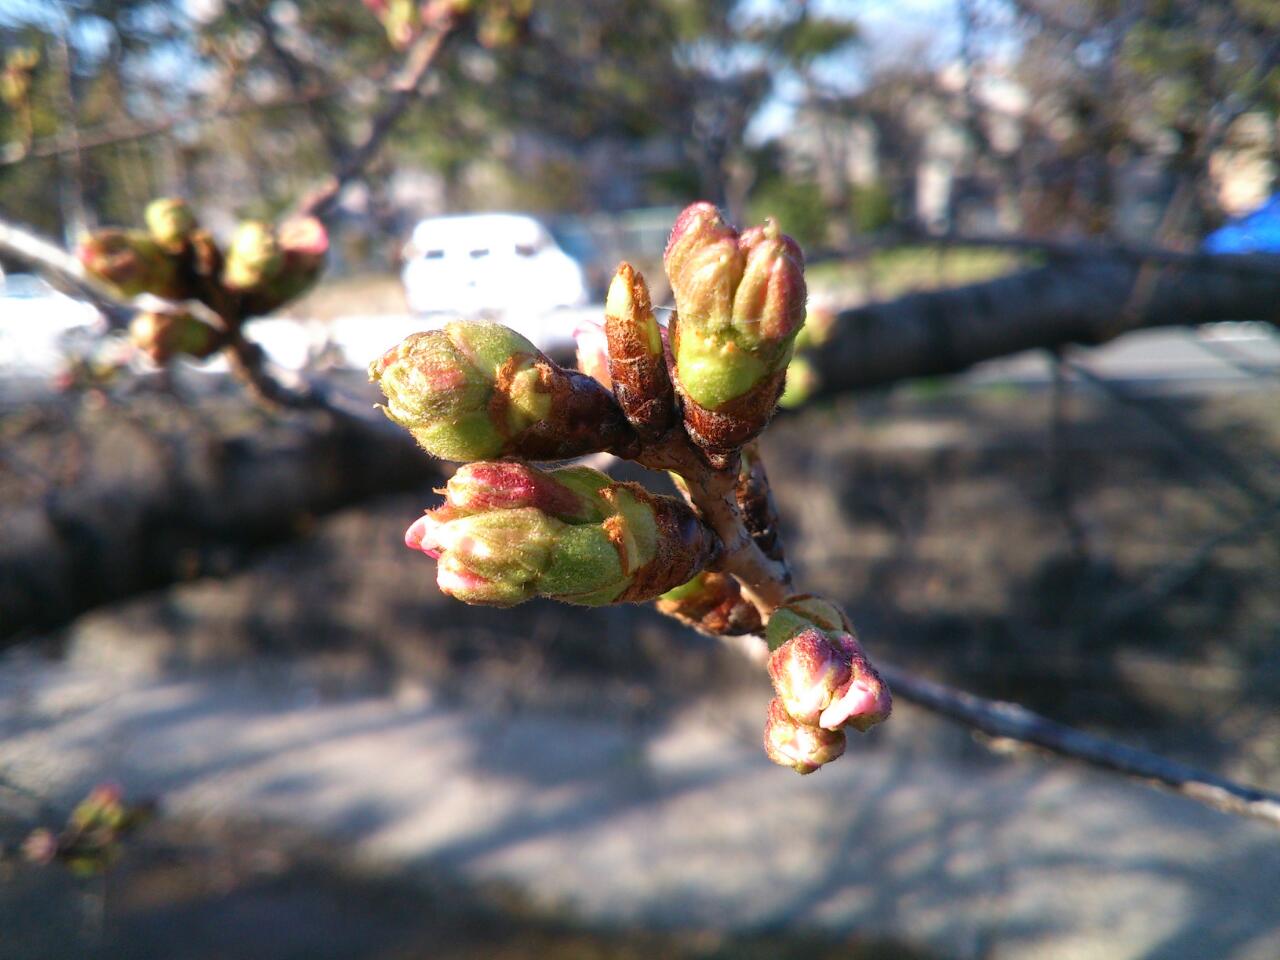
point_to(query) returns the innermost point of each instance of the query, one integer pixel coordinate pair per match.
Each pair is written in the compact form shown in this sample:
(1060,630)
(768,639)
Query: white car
(34,320)
(501,265)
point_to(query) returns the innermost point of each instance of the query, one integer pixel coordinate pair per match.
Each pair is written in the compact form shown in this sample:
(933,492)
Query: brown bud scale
(586,416)
(717,608)
(685,546)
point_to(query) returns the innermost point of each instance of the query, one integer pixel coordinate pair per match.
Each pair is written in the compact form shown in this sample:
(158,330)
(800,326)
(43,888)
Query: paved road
(915,835)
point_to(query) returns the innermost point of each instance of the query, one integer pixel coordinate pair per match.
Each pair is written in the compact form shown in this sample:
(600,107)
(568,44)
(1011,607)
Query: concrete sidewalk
(916,835)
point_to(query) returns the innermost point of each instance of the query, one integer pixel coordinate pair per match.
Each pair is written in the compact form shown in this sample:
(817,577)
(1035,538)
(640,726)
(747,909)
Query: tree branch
(1086,301)
(1015,723)
(62,270)
(402,91)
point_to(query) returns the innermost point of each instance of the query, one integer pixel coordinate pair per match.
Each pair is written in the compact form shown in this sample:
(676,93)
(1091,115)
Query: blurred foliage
(797,205)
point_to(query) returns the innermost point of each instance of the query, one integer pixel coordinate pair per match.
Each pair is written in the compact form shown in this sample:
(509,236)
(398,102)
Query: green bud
(740,302)
(253,257)
(164,335)
(170,221)
(132,262)
(507,532)
(474,390)
(304,247)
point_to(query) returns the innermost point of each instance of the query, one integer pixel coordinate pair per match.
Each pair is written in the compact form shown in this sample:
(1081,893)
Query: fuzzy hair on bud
(474,391)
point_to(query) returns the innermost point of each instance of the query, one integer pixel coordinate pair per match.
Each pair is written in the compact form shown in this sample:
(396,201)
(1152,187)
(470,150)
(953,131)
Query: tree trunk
(1087,301)
(102,501)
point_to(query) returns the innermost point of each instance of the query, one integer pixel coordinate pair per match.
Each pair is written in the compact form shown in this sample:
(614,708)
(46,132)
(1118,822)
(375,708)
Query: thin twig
(62,270)
(1012,722)
(402,91)
(1170,580)
(1197,447)
(117,132)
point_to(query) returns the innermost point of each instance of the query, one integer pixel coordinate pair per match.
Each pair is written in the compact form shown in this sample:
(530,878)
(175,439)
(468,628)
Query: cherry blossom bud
(740,302)
(253,257)
(163,335)
(802,747)
(131,262)
(304,246)
(712,603)
(170,221)
(508,532)
(475,390)
(636,357)
(819,669)
(864,699)
(807,671)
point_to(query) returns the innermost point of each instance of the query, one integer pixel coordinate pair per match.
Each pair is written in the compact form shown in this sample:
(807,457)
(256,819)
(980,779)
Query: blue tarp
(1256,232)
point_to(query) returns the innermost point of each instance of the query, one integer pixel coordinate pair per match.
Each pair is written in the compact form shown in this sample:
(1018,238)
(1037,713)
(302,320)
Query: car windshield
(478,237)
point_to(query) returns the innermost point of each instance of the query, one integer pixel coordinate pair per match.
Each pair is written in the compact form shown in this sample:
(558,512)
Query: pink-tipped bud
(802,747)
(704,265)
(864,699)
(132,262)
(304,247)
(820,671)
(508,532)
(506,485)
(807,671)
(739,305)
(773,292)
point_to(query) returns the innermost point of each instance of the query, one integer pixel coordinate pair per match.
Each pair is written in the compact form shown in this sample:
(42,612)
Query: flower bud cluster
(823,682)
(474,390)
(508,532)
(91,840)
(175,259)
